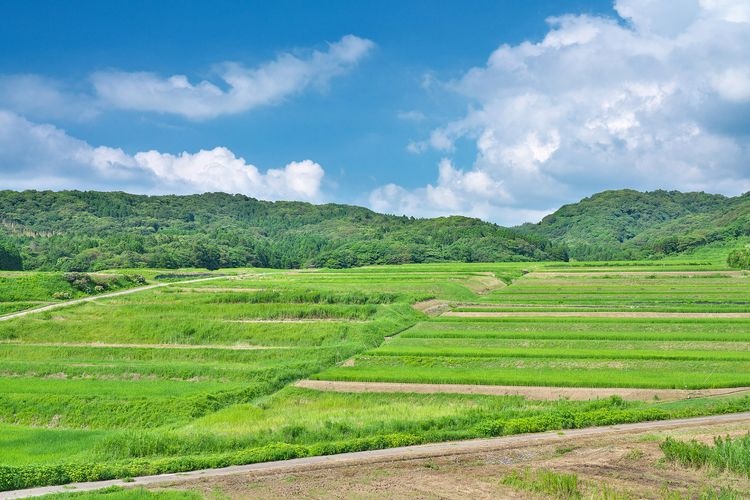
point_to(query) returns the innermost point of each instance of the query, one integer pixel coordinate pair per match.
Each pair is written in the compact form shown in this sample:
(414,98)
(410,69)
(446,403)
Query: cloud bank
(657,99)
(42,156)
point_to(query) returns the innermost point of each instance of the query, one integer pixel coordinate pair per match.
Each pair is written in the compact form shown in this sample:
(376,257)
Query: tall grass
(549,482)
(727,453)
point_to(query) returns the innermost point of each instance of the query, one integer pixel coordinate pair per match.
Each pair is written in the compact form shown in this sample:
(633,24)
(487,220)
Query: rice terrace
(454,249)
(244,365)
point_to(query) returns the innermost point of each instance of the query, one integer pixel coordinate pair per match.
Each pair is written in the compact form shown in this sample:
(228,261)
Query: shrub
(739,258)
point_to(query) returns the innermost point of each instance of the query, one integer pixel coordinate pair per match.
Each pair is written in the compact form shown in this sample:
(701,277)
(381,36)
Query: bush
(739,258)
(725,454)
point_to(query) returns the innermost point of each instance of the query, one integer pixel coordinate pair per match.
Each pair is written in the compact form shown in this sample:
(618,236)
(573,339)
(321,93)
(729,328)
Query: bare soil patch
(484,283)
(623,457)
(432,307)
(530,392)
(628,464)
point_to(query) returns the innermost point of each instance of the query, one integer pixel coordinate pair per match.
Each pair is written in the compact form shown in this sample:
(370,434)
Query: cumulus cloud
(659,98)
(241,88)
(41,156)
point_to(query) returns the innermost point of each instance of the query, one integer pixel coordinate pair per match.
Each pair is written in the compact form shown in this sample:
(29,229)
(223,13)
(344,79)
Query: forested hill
(627,224)
(81,231)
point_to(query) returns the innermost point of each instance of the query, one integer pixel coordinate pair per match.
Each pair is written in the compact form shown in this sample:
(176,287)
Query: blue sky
(501,110)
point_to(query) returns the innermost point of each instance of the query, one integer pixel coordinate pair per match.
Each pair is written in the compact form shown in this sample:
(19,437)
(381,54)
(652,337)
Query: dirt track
(567,439)
(593,314)
(531,392)
(68,303)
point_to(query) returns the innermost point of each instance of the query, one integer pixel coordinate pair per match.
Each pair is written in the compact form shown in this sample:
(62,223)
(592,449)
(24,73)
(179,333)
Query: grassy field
(26,290)
(198,374)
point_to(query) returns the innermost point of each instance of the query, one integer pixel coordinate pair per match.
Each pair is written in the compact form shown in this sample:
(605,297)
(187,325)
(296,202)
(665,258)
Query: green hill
(82,231)
(627,224)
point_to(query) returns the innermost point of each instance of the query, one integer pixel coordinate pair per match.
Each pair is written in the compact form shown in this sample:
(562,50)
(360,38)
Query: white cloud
(659,101)
(235,89)
(36,96)
(241,88)
(455,192)
(40,156)
(733,84)
(411,116)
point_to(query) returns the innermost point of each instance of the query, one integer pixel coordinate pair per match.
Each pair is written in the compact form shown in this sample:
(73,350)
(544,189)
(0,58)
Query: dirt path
(437,450)
(238,347)
(531,392)
(606,466)
(594,314)
(119,293)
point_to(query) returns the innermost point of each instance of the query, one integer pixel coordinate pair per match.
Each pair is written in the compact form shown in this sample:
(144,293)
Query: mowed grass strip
(552,371)
(614,292)
(707,351)
(629,329)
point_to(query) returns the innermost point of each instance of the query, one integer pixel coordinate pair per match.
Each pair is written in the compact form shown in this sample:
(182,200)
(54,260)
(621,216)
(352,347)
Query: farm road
(531,392)
(454,448)
(68,303)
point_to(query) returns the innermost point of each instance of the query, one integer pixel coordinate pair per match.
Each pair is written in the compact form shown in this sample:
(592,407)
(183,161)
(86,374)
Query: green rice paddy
(199,374)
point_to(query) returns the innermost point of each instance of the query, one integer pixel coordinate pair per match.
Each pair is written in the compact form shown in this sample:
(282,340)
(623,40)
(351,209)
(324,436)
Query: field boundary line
(544,393)
(593,314)
(103,345)
(93,298)
(450,448)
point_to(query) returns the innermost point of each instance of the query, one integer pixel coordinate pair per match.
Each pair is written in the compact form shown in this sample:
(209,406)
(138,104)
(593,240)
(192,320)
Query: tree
(10,257)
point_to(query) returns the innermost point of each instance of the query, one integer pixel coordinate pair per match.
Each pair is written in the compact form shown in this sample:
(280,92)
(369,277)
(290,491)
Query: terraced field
(201,374)
(512,336)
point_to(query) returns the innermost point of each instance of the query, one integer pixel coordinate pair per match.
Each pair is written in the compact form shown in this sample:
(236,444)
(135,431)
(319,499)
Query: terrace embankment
(530,392)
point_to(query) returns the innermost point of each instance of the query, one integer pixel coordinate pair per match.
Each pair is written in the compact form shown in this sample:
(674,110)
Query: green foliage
(119,493)
(89,231)
(727,453)
(47,287)
(557,485)
(627,224)
(739,258)
(10,257)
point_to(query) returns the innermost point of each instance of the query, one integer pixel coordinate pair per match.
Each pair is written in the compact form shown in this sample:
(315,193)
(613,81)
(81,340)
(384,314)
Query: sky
(502,110)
